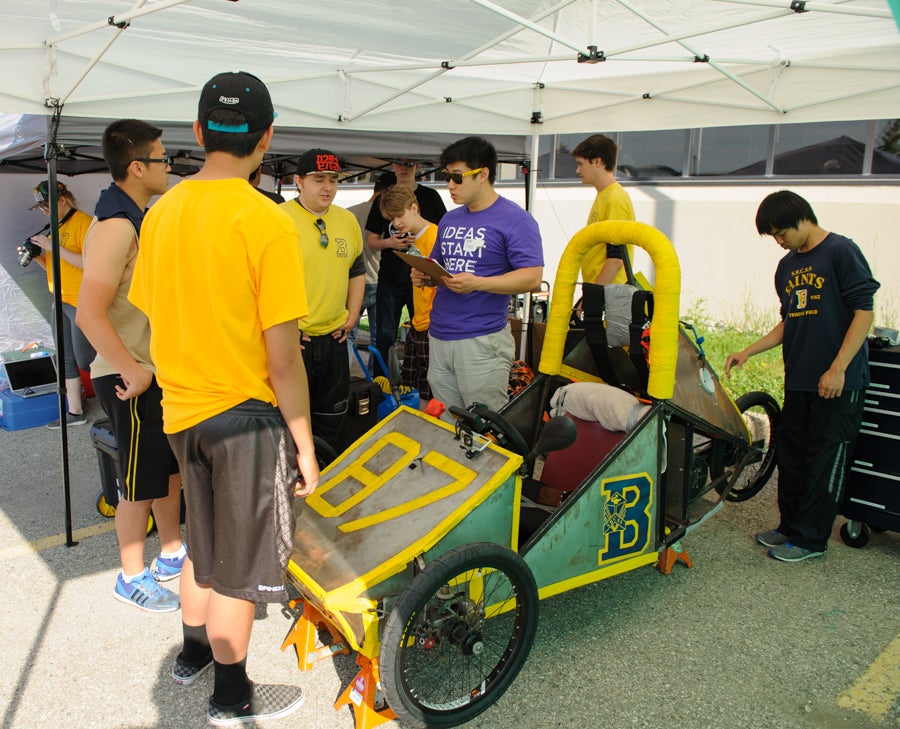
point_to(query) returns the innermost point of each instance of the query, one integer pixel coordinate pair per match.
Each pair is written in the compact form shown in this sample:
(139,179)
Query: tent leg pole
(51,155)
(530,187)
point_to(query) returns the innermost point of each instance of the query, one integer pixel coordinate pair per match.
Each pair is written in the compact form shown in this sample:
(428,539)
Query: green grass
(764,371)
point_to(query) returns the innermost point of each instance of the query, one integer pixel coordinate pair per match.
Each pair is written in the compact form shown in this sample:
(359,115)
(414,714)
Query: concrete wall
(725,264)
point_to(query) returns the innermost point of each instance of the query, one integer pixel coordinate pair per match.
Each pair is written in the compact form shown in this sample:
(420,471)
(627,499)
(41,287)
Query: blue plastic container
(18,413)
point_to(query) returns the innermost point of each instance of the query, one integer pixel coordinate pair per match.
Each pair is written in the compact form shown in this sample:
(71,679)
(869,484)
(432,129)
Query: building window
(730,151)
(823,148)
(652,154)
(813,149)
(886,155)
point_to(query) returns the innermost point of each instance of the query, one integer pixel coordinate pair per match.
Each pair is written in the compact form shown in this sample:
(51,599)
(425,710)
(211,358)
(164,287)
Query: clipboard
(435,271)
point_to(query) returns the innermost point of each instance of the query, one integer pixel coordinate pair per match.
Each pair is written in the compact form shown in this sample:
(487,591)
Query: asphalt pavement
(738,641)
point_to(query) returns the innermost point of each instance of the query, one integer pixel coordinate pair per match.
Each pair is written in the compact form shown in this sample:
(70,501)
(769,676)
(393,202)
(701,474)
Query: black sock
(232,685)
(195,651)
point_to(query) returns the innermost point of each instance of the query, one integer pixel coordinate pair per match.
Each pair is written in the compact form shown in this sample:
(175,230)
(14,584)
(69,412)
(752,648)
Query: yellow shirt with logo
(611,203)
(71,237)
(327,268)
(423,298)
(218,265)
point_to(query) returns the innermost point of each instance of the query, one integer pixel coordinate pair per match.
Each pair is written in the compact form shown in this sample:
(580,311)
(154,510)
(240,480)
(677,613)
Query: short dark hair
(475,152)
(384,181)
(395,201)
(783,209)
(125,141)
(237,144)
(598,146)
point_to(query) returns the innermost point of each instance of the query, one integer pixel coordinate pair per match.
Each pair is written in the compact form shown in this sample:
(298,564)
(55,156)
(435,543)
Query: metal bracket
(799,6)
(473,443)
(536,117)
(702,59)
(122,25)
(593,56)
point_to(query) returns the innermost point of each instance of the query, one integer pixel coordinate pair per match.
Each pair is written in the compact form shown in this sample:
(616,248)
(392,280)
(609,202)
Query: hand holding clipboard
(435,271)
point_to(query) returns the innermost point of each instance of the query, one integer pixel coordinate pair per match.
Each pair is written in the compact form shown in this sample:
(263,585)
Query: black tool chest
(873,485)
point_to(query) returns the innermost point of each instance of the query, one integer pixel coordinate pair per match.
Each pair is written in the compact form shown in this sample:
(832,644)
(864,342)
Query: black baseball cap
(238,91)
(318,160)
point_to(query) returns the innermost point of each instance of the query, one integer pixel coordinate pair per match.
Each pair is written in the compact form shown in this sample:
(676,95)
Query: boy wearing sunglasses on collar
(492,248)
(334,273)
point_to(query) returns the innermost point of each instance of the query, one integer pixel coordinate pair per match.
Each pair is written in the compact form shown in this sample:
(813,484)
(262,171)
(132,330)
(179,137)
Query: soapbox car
(427,547)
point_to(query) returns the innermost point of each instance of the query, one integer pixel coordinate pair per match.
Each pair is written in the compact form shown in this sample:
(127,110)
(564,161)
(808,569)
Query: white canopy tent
(521,68)
(461,66)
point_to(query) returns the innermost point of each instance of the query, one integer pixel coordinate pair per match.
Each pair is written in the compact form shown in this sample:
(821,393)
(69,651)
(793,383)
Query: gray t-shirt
(370,257)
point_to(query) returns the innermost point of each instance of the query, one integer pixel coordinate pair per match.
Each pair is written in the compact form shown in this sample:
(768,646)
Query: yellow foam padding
(666,294)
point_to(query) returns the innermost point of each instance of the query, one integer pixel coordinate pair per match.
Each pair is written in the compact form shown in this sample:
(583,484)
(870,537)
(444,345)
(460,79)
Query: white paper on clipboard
(432,269)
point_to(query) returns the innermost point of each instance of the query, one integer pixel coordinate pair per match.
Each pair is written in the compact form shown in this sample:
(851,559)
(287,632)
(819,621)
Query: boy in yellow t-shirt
(399,206)
(595,163)
(220,277)
(335,280)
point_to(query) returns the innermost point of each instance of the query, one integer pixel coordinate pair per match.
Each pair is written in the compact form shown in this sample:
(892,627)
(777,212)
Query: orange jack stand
(671,555)
(361,693)
(305,634)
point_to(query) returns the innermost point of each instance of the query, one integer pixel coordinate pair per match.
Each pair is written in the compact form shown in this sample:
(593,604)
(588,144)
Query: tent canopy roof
(461,66)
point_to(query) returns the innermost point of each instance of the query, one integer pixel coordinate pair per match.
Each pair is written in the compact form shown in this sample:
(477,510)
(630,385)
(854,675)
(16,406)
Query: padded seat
(565,470)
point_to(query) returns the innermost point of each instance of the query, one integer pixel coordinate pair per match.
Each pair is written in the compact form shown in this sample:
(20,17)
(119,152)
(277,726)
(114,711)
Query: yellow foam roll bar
(666,294)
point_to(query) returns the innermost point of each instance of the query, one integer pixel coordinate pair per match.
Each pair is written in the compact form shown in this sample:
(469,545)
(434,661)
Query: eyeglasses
(457,177)
(323,238)
(148,160)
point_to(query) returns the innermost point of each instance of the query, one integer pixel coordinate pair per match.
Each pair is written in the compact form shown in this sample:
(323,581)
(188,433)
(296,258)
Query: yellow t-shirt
(326,268)
(218,265)
(424,297)
(611,203)
(71,237)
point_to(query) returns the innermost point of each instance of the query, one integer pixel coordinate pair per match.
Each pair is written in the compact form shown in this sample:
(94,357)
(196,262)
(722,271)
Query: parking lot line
(39,545)
(875,692)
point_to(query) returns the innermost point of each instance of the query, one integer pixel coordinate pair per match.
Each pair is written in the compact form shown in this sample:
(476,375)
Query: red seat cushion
(566,469)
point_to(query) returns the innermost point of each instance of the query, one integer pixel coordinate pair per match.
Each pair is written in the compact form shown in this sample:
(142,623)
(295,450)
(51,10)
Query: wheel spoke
(463,640)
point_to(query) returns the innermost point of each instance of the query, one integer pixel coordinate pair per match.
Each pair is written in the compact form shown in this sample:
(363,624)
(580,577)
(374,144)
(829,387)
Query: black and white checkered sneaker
(184,674)
(267,701)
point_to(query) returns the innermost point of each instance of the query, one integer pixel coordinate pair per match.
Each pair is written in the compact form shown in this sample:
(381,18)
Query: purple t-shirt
(490,242)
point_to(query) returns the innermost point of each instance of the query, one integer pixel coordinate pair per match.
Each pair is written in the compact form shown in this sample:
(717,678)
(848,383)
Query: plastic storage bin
(18,413)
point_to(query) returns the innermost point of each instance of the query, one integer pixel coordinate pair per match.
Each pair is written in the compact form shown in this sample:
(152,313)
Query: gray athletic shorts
(464,371)
(239,471)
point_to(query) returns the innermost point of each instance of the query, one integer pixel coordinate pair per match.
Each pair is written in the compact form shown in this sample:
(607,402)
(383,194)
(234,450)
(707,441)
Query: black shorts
(239,471)
(145,459)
